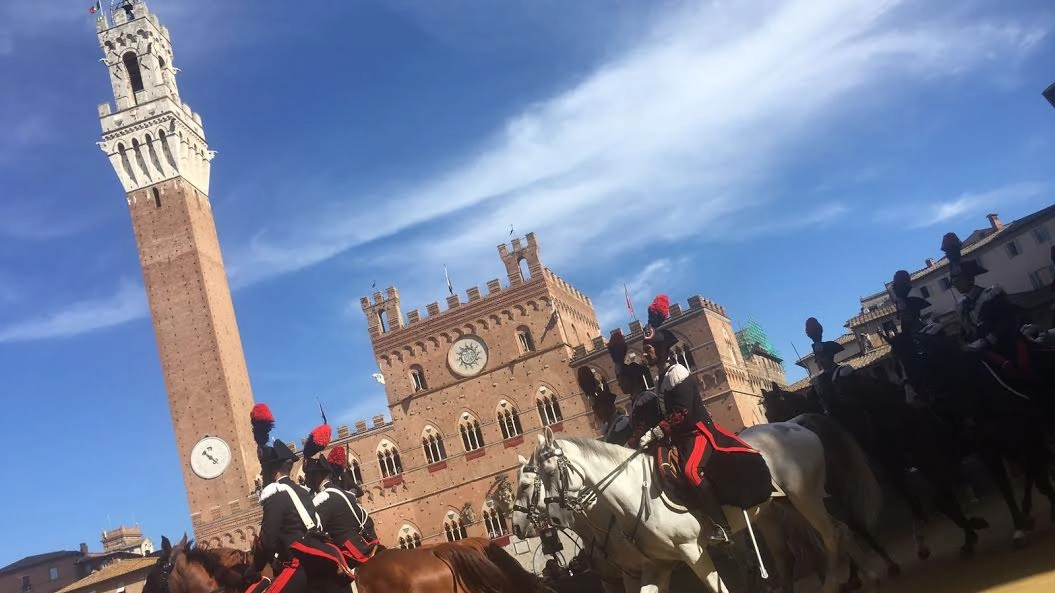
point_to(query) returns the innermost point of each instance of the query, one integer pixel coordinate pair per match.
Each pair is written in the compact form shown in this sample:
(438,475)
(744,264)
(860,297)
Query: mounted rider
(910,315)
(825,384)
(342,517)
(291,537)
(723,469)
(646,410)
(615,424)
(990,322)
(345,480)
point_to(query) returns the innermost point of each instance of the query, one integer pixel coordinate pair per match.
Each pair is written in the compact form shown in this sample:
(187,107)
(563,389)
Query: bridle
(168,565)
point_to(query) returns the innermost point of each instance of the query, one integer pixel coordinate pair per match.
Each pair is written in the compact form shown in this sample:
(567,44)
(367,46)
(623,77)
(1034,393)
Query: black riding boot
(709,503)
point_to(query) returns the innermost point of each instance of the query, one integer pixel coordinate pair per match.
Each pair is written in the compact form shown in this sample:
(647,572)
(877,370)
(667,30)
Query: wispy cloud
(699,115)
(642,288)
(126,304)
(918,215)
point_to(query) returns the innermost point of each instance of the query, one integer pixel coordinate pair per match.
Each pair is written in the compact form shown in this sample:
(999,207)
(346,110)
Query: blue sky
(782,157)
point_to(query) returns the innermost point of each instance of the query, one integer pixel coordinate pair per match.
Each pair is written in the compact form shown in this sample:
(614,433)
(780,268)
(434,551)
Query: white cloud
(127,304)
(969,203)
(642,287)
(700,115)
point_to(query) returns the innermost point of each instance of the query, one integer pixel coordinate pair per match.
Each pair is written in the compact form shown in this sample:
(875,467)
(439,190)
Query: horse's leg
(896,474)
(832,533)
(995,464)
(655,576)
(893,568)
(946,502)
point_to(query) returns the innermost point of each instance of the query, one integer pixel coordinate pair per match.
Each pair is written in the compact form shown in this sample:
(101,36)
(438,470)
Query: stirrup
(720,535)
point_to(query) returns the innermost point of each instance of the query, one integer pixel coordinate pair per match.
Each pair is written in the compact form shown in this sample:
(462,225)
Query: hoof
(978,523)
(970,540)
(894,570)
(1029,523)
(923,553)
(1019,540)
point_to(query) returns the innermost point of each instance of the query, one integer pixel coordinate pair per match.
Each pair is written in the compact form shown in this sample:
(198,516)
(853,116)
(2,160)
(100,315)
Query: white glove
(650,437)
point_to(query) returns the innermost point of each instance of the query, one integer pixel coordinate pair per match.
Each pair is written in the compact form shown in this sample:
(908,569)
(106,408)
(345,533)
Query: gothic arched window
(432,443)
(472,435)
(388,460)
(417,379)
(548,407)
(135,77)
(454,528)
(495,521)
(409,538)
(508,420)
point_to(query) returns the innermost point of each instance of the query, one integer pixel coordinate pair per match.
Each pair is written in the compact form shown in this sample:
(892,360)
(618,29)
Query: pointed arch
(472,434)
(453,526)
(495,520)
(508,419)
(417,378)
(135,76)
(525,270)
(682,353)
(432,444)
(524,340)
(548,405)
(408,537)
(388,459)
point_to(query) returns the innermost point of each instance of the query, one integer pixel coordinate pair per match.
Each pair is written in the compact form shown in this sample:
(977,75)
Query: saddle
(676,492)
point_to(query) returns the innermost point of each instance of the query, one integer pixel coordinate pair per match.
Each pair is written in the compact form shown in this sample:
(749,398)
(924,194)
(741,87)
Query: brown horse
(474,565)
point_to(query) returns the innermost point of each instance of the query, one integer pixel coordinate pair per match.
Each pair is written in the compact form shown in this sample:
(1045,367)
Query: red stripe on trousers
(283,577)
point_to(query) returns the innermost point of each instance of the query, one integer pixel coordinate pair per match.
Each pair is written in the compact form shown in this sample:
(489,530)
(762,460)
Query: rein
(581,501)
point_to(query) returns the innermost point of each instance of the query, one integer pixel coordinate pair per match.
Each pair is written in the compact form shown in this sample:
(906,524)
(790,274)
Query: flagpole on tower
(629,305)
(450,287)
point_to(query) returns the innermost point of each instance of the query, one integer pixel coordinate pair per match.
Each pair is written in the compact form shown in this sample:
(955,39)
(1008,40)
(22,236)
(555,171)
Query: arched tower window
(357,474)
(382,320)
(135,77)
(472,435)
(409,538)
(157,196)
(683,355)
(495,520)
(548,407)
(525,271)
(524,340)
(454,528)
(508,420)
(388,460)
(417,378)
(432,443)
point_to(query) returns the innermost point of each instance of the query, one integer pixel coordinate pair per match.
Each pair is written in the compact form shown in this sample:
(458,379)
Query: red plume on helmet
(659,310)
(814,329)
(263,421)
(338,458)
(902,284)
(317,440)
(951,245)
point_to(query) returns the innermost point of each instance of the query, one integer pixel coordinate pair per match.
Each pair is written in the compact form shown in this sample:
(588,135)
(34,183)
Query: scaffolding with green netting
(753,336)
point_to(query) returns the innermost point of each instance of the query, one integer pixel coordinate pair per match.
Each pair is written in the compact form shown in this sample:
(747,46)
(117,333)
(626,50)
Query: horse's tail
(851,483)
(473,571)
(526,581)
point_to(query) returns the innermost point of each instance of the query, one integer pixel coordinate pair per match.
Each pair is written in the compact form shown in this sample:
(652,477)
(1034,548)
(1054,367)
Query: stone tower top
(152,136)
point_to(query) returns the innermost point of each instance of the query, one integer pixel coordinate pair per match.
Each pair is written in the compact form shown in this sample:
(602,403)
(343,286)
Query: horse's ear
(541,439)
(522,460)
(549,435)
(166,547)
(183,542)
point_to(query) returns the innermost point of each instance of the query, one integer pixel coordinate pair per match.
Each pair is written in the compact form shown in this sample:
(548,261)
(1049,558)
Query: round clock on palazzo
(210,457)
(467,356)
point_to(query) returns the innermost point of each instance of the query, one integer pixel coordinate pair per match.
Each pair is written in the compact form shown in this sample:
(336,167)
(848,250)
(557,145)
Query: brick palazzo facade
(468,387)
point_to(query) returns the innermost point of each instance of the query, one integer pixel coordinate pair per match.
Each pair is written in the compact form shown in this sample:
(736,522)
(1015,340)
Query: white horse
(582,473)
(612,556)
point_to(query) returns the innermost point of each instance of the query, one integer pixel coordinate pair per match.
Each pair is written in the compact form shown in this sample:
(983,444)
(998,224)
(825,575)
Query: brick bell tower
(157,147)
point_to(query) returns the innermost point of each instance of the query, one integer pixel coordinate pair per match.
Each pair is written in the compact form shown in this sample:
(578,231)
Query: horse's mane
(212,562)
(600,450)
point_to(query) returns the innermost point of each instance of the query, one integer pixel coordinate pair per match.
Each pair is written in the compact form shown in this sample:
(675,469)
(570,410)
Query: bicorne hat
(270,456)
(658,313)
(815,331)
(901,286)
(958,266)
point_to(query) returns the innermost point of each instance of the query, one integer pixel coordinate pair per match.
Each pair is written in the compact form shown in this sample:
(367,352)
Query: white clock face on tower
(210,457)
(467,356)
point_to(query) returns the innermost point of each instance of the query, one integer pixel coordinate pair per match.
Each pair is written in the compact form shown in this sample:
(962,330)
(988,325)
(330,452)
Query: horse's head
(558,478)
(185,569)
(529,512)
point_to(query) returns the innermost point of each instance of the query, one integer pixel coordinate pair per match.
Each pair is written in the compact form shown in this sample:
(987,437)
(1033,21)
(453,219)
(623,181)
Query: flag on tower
(629,305)
(447,276)
(95,8)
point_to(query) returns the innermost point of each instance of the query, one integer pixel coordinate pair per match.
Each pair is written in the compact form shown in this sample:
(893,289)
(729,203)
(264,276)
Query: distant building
(121,575)
(1018,257)
(55,571)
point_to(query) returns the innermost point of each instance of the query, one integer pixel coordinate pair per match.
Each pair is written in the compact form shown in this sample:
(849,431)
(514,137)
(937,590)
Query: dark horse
(977,405)
(897,436)
(475,565)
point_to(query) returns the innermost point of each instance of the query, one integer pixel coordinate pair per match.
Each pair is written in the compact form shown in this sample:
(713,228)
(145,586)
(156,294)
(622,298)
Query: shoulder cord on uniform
(351,507)
(305,518)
